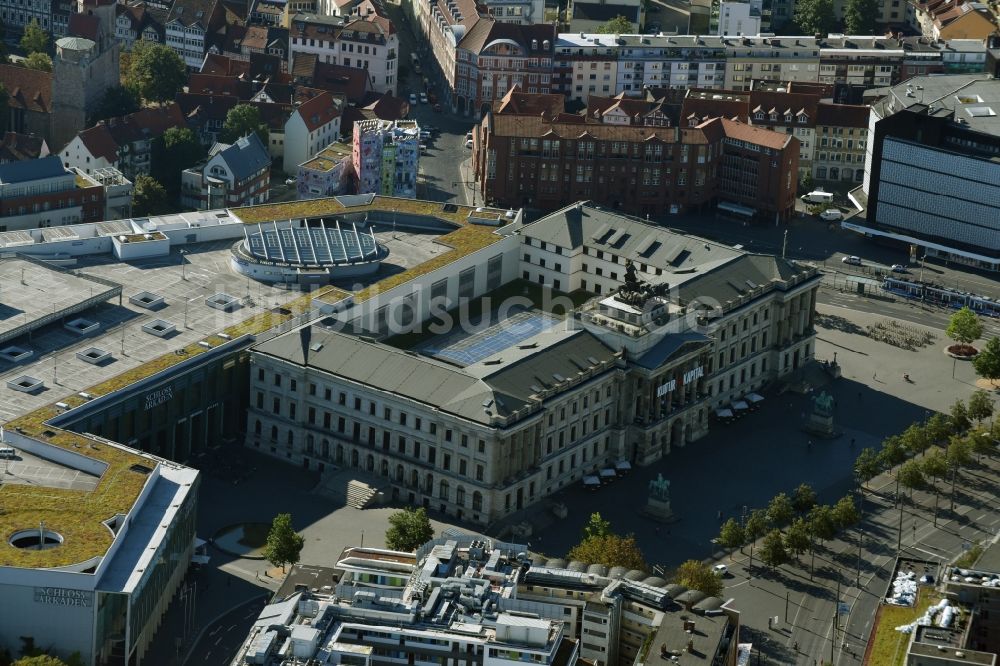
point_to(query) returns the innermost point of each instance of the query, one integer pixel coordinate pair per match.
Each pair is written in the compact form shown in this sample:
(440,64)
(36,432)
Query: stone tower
(85,66)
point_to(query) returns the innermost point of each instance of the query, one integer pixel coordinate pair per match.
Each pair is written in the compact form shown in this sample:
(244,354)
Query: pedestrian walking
(874,375)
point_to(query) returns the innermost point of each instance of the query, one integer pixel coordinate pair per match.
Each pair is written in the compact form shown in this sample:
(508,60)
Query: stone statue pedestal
(659,509)
(821,425)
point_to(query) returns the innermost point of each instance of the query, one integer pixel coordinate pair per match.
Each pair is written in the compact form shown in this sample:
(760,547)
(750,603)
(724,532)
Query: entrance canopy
(753,398)
(724,413)
(739,405)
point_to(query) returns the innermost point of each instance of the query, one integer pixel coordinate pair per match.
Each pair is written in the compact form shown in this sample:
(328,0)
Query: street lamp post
(183,264)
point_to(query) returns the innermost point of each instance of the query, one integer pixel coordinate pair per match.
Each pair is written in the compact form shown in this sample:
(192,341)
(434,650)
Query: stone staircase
(360,494)
(352,487)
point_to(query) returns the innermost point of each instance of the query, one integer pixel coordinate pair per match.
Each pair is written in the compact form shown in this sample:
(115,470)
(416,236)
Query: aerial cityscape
(494,332)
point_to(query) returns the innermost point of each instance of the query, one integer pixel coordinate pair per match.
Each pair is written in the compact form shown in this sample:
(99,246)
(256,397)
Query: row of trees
(818,17)
(790,525)
(961,435)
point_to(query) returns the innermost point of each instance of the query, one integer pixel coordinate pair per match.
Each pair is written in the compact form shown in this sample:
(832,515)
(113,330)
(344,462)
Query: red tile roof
(87,26)
(15,147)
(200,108)
(319,111)
(99,142)
(755,135)
(516,101)
(842,115)
(350,82)
(29,89)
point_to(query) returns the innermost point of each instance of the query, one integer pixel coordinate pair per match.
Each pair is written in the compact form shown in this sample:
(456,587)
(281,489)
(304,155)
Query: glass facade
(109,636)
(174,553)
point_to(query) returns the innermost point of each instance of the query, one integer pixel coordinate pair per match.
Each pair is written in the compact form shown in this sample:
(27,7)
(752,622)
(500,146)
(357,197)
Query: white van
(7,452)
(818,196)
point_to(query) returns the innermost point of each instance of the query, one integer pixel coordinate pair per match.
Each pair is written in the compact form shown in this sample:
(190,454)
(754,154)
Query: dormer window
(788,117)
(759,115)
(774,117)
(803,118)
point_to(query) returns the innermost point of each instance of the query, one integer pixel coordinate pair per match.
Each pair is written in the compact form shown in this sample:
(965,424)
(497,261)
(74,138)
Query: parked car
(899,268)
(423,98)
(413,99)
(818,196)
(831,215)
(290,181)
(720,570)
(432,97)
(437,108)
(468,136)
(852,260)
(468,144)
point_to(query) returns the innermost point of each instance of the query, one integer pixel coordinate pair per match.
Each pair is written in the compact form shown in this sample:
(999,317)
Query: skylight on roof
(980,111)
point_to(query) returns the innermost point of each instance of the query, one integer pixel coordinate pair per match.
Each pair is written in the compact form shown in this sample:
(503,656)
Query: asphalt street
(804,606)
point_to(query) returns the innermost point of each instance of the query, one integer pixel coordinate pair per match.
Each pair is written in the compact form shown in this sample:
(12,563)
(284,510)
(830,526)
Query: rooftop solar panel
(465,349)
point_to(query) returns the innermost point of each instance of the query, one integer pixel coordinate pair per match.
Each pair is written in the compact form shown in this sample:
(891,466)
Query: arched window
(477,501)
(460,496)
(274,433)
(257,427)
(290,439)
(310,443)
(443,490)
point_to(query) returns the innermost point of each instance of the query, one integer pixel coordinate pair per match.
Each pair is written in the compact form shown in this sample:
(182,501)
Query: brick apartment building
(528,152)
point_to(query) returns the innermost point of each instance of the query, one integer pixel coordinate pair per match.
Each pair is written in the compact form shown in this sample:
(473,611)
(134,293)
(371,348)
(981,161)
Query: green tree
(148,197)
(284,544)
(40,660)
(696,575)
(596,527)
(934,465)
(860,17)
(116,102)
(780,511)
(815,16)
(806,183)
(981,443)
(798,539)
(34,39)
(178,149)
(756,525)
(731,535)
(39,61)
(845,512)
(911,475)
(822,524)
(958,418)
(772,550)
(938,428)
(409,529)
(892,452)
(619,25)
(867,466)
(914,439)
(958,455)
(243,119)
(980,406)
(964,327)
(610,550)
(804,498)
(155,71)
(987,362)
